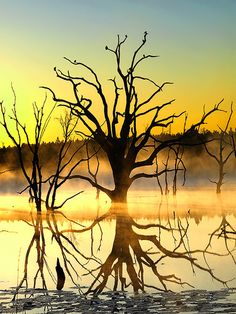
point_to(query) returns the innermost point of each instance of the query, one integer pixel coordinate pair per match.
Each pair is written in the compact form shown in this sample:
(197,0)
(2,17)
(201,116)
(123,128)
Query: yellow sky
(195,41)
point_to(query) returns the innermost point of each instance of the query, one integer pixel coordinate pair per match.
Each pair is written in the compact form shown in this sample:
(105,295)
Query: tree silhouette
(43,181)
(225,149)
(119,132)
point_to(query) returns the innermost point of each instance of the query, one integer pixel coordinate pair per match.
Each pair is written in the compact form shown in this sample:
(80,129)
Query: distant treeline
(49,150)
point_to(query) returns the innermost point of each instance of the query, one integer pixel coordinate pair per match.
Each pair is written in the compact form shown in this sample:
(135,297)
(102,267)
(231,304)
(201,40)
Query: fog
(200,169)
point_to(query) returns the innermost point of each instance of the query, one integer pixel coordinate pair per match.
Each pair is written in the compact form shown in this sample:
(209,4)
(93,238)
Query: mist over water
(200,169)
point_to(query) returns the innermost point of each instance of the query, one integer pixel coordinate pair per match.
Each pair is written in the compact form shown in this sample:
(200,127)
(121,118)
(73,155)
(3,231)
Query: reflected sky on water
(192,222)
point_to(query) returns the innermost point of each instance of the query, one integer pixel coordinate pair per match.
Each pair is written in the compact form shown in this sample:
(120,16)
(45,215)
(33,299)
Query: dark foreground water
(197,301)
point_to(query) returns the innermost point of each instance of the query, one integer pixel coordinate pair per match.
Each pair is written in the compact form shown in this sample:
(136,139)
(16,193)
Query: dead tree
(33,175)
(41,186)
(178,166)
(157,176)
(225,149)
(179,162)
(66,163)
(118,132)
(173,164)
(93,173)
(166,164)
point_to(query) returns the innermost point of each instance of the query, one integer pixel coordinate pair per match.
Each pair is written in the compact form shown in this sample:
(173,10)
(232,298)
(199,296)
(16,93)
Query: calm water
(173,243)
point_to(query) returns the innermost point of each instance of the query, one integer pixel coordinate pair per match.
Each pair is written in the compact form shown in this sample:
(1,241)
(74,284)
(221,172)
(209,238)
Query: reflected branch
(39,240)
(137,248)
(128,260)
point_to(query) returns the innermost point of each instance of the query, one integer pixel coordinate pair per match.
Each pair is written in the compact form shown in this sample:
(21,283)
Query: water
(180,243)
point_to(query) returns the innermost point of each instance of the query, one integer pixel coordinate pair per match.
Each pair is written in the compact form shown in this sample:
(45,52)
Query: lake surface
(177,243)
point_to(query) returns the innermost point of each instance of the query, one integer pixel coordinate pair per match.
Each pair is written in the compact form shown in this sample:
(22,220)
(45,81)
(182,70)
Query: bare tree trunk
(119,194)
(226,148)
(121,181)
(121,170)
(220,178)
(166,173)
(94,173)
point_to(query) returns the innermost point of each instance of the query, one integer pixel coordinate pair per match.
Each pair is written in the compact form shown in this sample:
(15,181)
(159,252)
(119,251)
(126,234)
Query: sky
(195,39)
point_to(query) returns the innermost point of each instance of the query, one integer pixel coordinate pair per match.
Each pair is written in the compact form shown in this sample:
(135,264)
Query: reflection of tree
(68,249)
(226,232)
(38,239)
(137,249)
(130,256)
(69,252)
